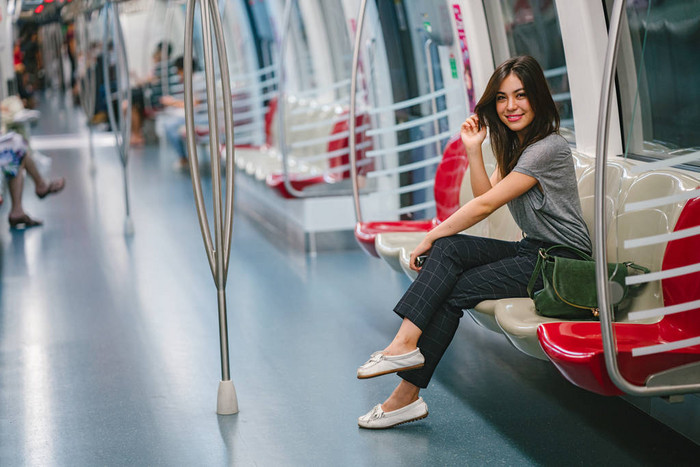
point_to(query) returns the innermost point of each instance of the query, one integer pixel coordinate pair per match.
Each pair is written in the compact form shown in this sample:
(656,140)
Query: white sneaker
(380,364)
(377,419)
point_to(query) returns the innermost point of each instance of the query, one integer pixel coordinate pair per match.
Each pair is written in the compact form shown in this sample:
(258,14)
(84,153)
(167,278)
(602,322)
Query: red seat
(448,182)
(576,349)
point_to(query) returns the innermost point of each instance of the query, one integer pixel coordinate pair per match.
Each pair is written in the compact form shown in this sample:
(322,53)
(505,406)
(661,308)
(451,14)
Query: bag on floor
(570,285)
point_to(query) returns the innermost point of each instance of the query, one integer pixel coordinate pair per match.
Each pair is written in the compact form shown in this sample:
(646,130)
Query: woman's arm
(479,208)
(473,136)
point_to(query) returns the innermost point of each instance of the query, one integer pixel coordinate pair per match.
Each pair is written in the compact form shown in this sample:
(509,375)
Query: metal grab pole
(431,82)
(87,78)
(121,127)
(607,331)
(218,252)
(352,124)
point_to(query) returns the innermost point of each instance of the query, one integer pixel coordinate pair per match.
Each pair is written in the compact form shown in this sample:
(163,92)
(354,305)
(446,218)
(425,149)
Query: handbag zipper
(594,311)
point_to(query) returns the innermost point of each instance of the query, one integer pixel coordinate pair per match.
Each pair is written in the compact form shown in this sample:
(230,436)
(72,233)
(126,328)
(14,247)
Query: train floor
(109,345)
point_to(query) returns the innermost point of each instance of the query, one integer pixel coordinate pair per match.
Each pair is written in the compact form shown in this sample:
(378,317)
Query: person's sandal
(54,186)
(24,222)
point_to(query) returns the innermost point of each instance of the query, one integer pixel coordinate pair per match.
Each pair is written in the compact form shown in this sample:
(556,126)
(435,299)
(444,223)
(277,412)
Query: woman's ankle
(404,394)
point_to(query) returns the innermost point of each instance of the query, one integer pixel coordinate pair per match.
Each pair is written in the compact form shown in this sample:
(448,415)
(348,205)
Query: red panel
(576,349)
(344,143)
(269,119)
(448,177)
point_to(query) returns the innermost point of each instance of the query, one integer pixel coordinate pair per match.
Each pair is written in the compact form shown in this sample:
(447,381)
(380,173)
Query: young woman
(535,176)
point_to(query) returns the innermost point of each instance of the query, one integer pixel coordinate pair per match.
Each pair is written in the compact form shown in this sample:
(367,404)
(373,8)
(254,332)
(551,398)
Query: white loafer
(377,419)
(380,364)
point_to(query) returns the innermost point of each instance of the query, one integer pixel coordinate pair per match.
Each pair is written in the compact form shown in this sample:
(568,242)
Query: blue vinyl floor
(109,348)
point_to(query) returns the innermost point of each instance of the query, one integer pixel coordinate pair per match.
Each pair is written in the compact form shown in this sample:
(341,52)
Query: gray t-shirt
(554,213)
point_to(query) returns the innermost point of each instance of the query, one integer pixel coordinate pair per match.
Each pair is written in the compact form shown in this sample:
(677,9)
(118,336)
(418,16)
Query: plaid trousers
(459,272)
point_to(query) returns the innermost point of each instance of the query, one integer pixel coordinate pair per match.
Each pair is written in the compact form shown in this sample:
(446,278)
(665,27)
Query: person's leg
(447,260)
(42,187)
(501,279)
(16,184)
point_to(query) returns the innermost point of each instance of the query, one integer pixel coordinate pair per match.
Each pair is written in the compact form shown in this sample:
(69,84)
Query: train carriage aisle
(109,345)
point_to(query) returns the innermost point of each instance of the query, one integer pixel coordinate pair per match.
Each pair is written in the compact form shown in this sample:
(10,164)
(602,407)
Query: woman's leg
(502,279)
(42,187)
(448,259)
(16,184)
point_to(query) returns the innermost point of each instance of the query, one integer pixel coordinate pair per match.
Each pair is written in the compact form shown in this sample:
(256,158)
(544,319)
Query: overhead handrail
(219,251)
(669,382)
(122,126)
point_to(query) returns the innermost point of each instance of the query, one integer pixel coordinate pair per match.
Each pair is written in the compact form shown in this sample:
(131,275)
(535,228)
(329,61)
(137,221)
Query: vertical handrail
(121,127)
(88,77)
(431,84)
(600,253)
(164,56)
(359,24)
(218,252)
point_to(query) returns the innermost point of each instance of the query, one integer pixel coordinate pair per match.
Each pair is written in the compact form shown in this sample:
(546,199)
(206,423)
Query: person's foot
(54,186)
(181,165)
(378,419)
(23,222)
(381,364)
(137,140)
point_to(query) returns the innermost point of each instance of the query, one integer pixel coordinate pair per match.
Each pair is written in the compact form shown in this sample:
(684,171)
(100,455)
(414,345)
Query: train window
(659,76)
(531,27)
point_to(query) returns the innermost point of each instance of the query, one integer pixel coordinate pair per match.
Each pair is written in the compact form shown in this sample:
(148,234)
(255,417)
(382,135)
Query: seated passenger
(535,177)
(14,156)
(148,92)
(175,121)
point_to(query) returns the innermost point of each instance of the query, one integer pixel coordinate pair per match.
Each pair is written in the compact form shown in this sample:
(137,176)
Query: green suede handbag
(570,286)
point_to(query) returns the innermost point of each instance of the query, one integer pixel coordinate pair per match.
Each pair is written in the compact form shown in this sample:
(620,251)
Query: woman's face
(513,106)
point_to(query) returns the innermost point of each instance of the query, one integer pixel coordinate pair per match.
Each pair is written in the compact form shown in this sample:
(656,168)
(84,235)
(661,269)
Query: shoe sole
(374,375)
(395,424)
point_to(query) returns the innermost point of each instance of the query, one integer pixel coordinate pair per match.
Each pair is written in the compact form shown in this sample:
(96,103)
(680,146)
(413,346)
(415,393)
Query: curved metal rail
(353,110)
(600,229)
(281,104)
(120,126)
(218,252)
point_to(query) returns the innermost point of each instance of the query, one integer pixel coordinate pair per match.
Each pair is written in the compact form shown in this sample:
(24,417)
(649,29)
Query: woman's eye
(521,96)
(500,98)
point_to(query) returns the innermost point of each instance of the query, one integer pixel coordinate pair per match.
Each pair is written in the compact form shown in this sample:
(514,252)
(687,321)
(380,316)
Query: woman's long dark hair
(506,145)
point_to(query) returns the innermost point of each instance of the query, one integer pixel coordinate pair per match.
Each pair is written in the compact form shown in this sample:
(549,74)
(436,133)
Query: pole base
(226,401)
(128,227)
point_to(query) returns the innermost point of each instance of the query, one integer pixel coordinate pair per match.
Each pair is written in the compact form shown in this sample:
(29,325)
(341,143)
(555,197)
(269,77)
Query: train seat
(448,190)
(576,348)
(520,324)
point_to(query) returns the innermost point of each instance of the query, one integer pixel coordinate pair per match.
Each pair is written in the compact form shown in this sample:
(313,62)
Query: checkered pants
(461,271)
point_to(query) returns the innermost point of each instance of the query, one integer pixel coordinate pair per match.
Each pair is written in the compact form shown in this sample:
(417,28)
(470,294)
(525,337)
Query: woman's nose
(511,104)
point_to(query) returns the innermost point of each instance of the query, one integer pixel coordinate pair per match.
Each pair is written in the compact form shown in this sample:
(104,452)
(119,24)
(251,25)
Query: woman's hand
(422,248)
(473,134)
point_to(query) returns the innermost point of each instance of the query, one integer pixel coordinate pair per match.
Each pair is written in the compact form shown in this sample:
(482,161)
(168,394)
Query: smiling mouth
(513,118)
